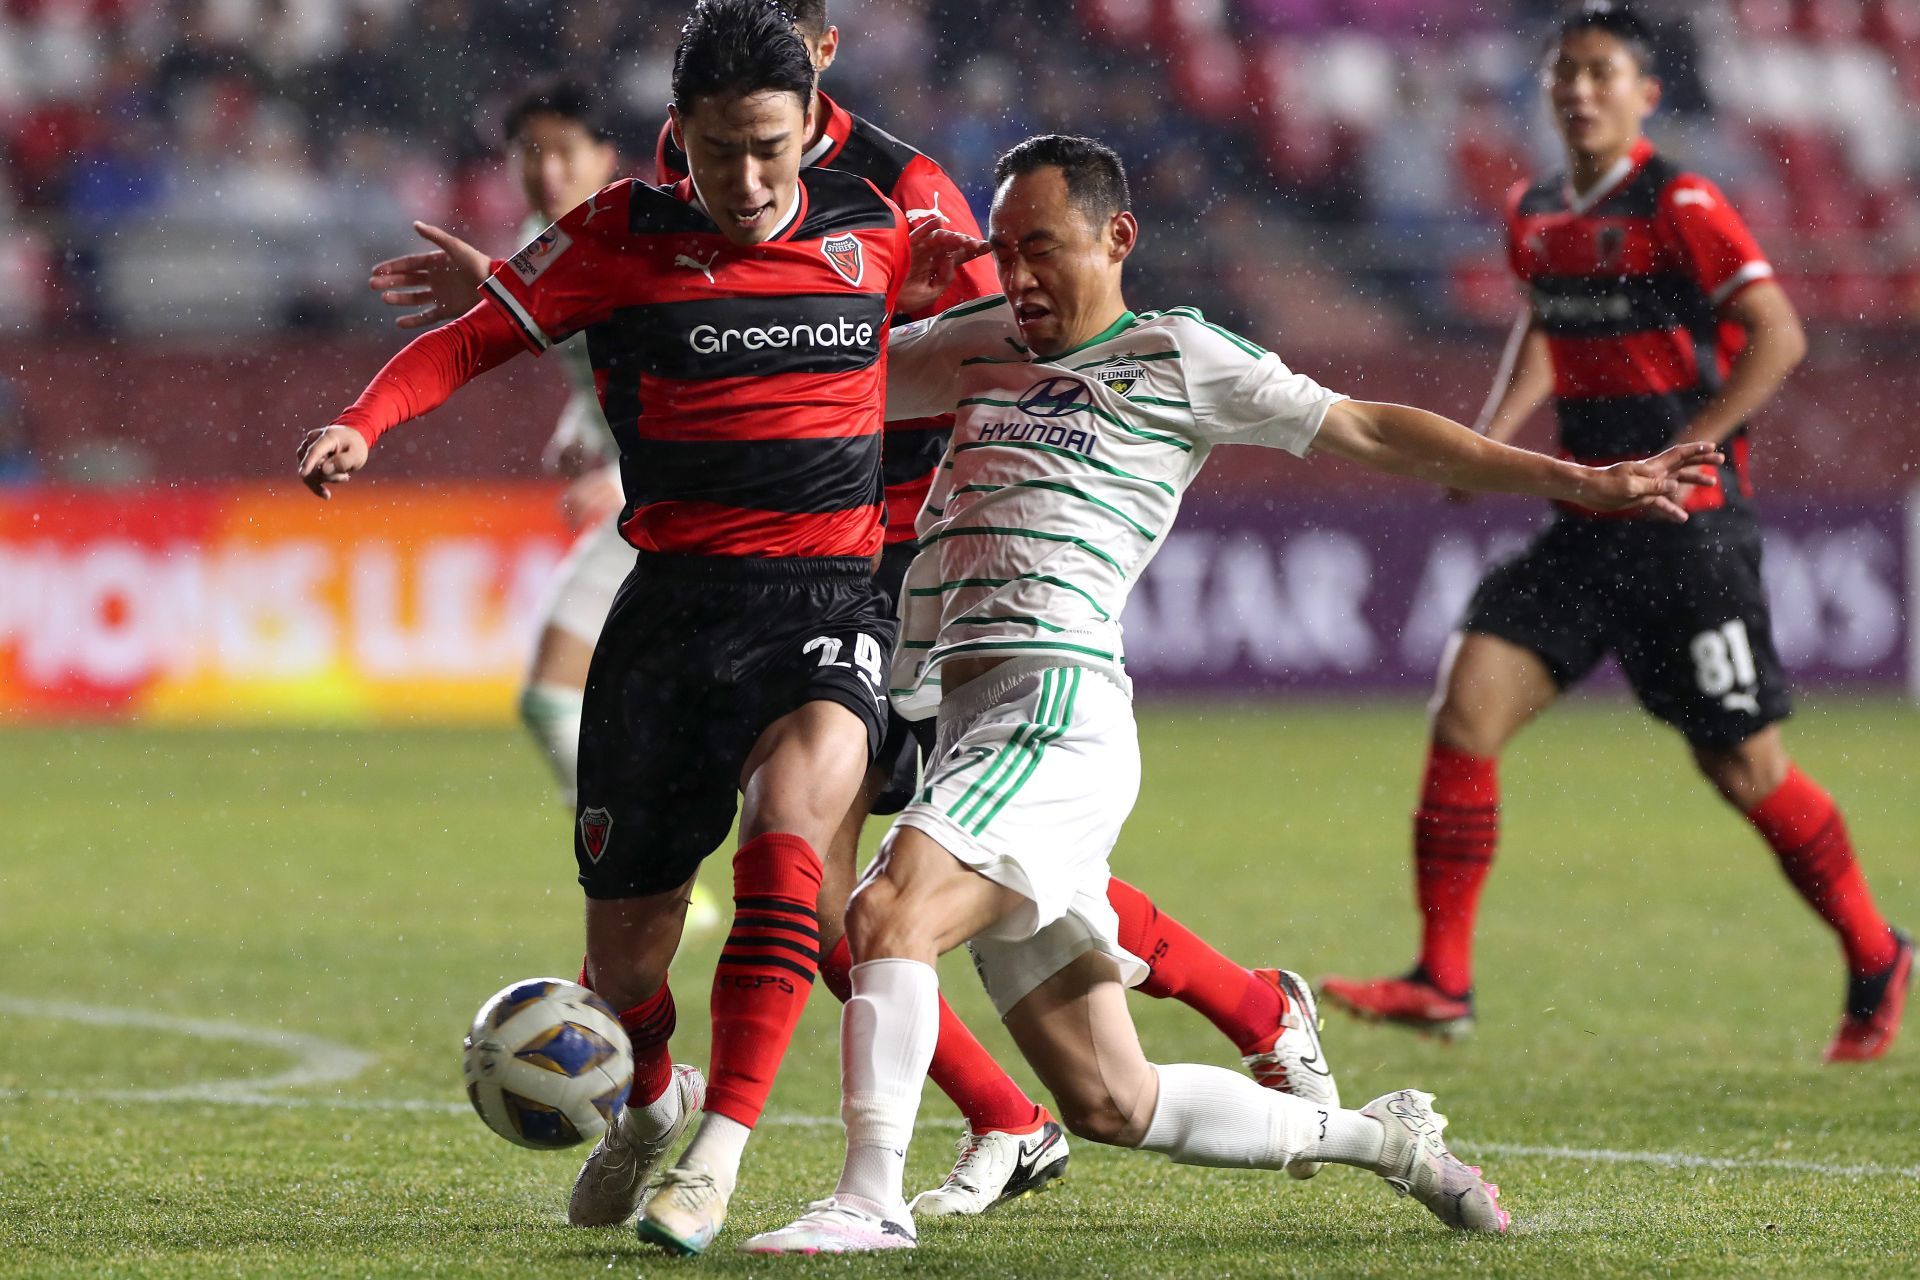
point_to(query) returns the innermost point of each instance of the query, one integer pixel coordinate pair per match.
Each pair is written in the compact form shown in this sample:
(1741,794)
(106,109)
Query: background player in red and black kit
(736,324)
(1654,319)
(1012,1144)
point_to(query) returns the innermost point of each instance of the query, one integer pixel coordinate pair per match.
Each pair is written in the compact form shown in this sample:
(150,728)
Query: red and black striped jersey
(1627,283)
(922,189)
(744,384)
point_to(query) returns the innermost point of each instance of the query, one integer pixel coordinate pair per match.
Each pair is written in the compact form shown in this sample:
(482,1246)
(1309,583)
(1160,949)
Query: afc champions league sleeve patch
(844,256)
(595,826)
(538,256)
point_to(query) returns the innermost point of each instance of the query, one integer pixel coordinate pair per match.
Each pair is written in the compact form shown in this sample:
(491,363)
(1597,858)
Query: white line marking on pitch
(319,1062)
(315,1061)
(1685,1160)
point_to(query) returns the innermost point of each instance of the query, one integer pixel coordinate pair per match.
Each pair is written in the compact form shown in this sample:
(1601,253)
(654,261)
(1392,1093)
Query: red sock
(648,1025)
(1455,830)
(765,972)
(1183,967)
(1808,835)
(962,1067)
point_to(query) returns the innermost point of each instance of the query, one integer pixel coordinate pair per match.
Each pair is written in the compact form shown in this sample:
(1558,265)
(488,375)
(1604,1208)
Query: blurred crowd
(227,166)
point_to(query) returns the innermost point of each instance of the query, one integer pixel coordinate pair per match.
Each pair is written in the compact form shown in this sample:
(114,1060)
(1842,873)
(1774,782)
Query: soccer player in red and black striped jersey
(1654,319)
(736,323)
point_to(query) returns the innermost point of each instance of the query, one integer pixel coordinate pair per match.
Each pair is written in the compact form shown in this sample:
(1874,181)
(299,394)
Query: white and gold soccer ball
(547,1064)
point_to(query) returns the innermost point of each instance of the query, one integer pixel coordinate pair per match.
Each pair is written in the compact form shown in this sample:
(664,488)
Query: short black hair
(734,48)
(1617,21)
(559,96)
(808,15)
(1096,180)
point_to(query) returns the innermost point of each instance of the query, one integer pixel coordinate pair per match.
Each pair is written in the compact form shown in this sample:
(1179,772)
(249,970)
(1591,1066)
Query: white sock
(647,1121)
(551,713)
(1210,1116)
(887,1032)
(717,1148)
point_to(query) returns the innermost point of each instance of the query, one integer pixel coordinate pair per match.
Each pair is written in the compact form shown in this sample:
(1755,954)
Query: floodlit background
(191,193)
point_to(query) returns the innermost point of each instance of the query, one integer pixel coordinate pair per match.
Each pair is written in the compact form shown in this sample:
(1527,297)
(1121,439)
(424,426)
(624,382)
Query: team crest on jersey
(844,256)
(538,256)
(1054,398)
(1120,375)
(595,826)
(1608,243)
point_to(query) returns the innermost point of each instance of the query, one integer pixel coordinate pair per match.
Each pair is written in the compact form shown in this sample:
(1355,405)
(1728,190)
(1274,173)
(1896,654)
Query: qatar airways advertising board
(403,603)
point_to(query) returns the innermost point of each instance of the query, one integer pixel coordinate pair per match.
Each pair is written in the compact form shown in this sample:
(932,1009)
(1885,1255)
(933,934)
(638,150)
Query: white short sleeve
(1244,395)
(924,358)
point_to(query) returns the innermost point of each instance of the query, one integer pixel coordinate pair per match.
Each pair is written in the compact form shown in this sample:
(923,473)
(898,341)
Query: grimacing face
(1599,95)
(1058,267)
(744,154)
(560,163)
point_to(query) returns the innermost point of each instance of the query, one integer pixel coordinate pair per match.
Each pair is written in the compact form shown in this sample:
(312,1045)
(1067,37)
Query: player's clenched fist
(330,455)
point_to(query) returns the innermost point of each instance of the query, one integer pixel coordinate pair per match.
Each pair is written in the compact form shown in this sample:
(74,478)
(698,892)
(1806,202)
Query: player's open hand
(1653,486)
(330,455)
(937,254)
(441,280)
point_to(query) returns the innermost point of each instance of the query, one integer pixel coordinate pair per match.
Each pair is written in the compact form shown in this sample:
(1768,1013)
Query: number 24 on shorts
(866,656)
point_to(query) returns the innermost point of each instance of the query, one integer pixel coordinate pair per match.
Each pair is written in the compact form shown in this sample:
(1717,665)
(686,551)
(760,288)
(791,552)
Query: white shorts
(584,584)
(1034,773)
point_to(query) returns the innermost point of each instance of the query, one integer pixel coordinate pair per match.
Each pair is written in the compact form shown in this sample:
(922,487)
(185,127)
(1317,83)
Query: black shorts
(698,656)
(1683,607)
(907,742)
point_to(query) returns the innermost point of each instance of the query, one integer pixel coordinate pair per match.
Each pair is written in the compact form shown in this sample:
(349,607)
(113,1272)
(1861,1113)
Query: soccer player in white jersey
(1079,425)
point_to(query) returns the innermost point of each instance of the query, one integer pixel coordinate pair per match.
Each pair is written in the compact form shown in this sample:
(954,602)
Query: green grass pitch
(1644,1083)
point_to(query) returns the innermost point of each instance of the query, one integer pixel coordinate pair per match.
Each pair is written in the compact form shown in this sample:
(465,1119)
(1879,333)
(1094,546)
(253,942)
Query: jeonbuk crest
(1120,374)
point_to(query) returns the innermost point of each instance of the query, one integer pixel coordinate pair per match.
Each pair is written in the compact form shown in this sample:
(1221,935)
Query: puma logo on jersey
(704,268)
(915,215)
(1689,195)
(594,208)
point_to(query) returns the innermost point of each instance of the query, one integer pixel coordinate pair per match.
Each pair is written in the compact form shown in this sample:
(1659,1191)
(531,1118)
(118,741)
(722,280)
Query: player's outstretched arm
(443,280)
(1402,440)
(428,370)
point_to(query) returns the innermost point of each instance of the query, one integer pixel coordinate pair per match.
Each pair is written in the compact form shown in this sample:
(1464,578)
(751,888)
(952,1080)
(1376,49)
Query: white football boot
(994,1168)
(686,1210)
(611,1182)
(1293,1060)
(1416,1162)
(830,1226)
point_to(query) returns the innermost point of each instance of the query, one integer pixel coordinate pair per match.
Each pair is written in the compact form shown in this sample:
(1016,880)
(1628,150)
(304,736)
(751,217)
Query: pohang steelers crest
(843,254)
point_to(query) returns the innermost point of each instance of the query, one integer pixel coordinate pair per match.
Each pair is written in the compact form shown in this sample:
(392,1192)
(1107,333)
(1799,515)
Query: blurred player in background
(734,323)
(1081,423)
(1011,1145)
(1654,318)
(562,152)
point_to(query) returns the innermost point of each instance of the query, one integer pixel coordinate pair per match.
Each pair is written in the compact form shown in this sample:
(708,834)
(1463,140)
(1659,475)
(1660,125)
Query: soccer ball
(547,1064)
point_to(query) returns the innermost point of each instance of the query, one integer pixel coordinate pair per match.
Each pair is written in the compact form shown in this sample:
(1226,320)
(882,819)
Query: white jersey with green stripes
(1064,474)
(583,423)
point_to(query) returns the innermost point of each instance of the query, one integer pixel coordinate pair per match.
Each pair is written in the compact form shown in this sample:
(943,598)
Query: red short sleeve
(1696,223)
(556,284)
(925,192)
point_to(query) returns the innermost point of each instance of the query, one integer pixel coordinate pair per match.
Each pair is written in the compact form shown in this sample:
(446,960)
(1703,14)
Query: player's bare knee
(869,917)
(1747,772)
(1460,725)
(1093,1113)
